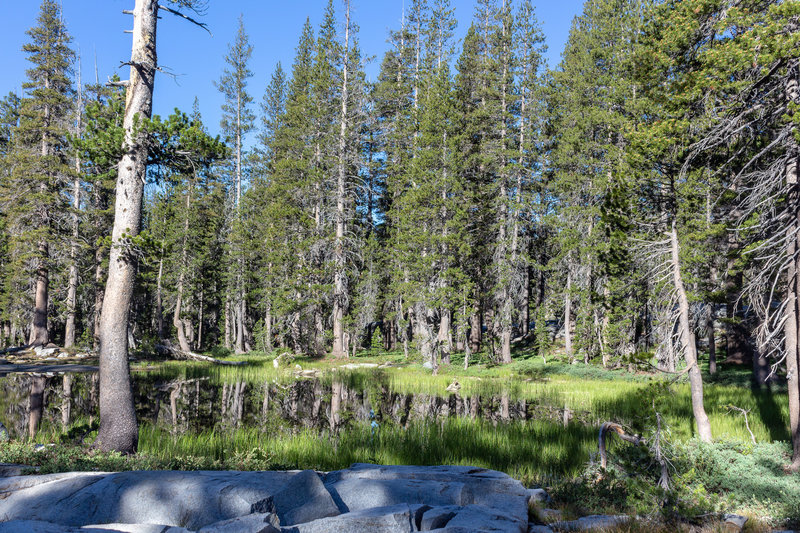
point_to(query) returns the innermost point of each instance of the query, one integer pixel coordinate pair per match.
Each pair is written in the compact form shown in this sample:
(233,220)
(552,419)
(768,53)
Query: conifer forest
(635,206)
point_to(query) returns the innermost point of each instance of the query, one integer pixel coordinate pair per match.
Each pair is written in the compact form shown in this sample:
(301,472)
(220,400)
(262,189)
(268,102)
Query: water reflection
(181,404)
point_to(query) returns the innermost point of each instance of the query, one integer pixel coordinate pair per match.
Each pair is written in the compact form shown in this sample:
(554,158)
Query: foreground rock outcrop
(378,499)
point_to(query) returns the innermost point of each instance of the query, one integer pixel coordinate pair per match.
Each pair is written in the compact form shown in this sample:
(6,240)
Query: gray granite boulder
(363,486)
(392,519)
(480,518)
(379,499)
(186,499)
(303,499)
(438,517)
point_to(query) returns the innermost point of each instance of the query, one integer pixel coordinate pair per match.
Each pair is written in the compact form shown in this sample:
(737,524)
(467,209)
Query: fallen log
(163,349)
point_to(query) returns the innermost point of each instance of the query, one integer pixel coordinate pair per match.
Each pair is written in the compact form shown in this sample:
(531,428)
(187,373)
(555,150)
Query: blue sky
(198,58)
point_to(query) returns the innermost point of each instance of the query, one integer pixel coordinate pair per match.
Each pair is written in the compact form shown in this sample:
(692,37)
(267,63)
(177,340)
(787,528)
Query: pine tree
(286,216)
(39,159)
(260,225)
(9,121)
(592,107)
(237,121)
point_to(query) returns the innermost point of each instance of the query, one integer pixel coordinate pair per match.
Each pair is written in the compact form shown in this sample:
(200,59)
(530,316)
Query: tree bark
(39,335)
(118,427)
(687,339)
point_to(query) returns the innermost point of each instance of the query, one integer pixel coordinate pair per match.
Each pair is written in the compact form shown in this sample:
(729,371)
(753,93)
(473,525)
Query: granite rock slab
(374,498)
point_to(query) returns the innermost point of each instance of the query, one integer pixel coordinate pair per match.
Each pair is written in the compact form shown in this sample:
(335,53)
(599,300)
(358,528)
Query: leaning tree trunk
(687,339)
(118,428)
(792,323)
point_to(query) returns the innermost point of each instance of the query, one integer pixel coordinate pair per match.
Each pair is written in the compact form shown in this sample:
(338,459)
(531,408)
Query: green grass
(530,451)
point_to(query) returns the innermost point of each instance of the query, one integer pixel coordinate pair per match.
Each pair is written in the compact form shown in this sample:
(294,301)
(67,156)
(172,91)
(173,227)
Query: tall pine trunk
(118,427)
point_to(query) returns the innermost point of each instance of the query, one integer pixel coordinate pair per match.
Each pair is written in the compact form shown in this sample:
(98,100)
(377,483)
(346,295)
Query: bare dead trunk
(340,275)
(118,427)
(72,285)
(687,339)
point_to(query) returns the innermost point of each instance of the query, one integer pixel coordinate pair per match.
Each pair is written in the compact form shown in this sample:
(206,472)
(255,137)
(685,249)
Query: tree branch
(190,19)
